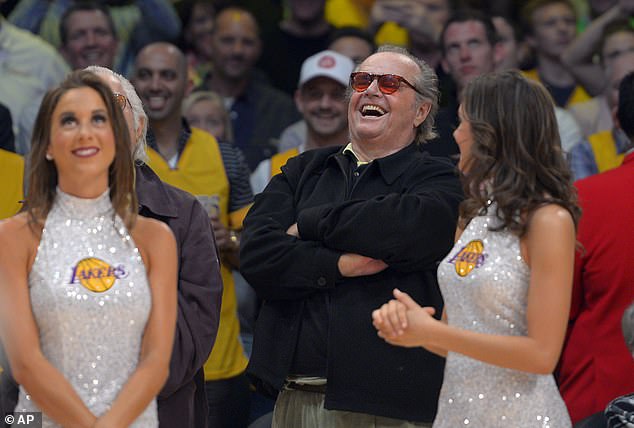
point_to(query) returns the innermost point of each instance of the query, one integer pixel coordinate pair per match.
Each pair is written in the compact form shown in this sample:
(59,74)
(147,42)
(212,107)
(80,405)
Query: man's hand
(223,237)
(293,230)
(389,10)
(228,243)
(351,265)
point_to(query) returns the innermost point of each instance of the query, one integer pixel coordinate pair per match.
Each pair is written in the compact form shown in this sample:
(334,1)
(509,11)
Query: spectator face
(354,48)
(621,67)
(199,29)
(208,116)
(616,45)
(553,29)
(323,104)
(468,53)
(307,11)
(384,120)
(508,46)
(160,79)
(90,40)
(236,44)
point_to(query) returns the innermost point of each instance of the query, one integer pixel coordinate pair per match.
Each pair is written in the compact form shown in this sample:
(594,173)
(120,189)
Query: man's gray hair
(139,151)
(426,82)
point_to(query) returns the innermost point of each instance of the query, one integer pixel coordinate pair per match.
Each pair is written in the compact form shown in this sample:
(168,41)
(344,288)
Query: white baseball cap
(327,64)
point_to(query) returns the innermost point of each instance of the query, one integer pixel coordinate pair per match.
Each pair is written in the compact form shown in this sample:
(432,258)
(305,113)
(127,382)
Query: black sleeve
(199,297)
(277,265)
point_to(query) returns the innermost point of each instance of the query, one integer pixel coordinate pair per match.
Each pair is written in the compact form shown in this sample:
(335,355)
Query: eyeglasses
(121,100)
(388,83)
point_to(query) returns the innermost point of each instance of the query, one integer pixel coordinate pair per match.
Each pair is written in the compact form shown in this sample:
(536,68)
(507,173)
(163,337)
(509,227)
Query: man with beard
(321,99)
(192,160)
(259,112)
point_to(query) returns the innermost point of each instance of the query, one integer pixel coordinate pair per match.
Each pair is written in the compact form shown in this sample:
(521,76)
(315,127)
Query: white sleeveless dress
(484,282)
(91,301)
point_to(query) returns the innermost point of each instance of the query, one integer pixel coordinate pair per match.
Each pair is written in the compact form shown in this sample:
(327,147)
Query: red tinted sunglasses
(388,83)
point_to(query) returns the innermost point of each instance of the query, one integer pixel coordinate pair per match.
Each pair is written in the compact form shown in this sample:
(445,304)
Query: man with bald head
(329,239)
(259,112)
(192,160)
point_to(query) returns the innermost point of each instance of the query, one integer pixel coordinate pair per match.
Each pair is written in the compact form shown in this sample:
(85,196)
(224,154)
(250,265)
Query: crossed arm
(407,230)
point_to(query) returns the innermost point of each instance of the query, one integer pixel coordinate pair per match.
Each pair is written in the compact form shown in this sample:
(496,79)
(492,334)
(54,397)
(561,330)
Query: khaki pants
(301,409)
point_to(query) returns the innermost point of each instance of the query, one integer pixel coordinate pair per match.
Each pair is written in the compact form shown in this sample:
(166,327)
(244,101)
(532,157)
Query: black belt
(320,389)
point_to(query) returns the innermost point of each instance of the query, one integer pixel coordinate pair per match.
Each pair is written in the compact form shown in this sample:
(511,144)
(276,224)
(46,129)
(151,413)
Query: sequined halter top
(484,282)
(91,301)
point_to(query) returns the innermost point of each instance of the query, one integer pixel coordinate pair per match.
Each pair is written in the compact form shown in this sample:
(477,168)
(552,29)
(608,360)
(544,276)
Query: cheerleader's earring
(49,157)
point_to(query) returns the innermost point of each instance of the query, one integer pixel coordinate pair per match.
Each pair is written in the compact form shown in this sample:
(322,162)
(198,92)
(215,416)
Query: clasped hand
(403,322)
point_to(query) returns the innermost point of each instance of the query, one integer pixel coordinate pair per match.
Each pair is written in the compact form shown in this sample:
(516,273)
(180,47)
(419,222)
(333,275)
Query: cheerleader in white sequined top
(87,288)
(507,282)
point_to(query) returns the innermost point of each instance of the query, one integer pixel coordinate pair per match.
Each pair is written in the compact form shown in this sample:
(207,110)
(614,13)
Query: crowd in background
(233,89)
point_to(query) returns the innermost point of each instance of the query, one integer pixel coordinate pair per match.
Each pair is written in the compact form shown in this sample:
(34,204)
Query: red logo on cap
(326,62)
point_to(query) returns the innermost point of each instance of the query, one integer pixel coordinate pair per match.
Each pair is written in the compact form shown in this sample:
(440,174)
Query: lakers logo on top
(96,275)
(469,257)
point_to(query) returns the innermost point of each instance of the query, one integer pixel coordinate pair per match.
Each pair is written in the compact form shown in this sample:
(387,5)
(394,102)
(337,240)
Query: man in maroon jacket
(182,402)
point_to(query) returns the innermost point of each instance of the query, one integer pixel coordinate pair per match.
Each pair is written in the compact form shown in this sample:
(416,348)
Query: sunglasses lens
(360,81)
(388,83)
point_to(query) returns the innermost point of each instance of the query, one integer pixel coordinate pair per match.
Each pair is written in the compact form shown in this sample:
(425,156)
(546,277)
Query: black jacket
(402,210)
(182,402)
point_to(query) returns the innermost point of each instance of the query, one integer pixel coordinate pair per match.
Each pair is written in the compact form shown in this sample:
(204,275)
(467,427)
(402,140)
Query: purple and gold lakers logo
(469,257)
(96,275)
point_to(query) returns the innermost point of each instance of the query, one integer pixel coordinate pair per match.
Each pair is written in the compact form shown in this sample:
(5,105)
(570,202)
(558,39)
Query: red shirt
(596,365)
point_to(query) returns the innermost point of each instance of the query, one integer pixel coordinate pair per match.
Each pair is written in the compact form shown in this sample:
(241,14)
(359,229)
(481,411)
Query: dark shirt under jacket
(403,210)
(182,402)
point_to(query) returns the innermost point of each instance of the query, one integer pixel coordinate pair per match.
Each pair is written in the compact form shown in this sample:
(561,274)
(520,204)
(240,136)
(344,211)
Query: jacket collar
(393,166)
(152,193)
